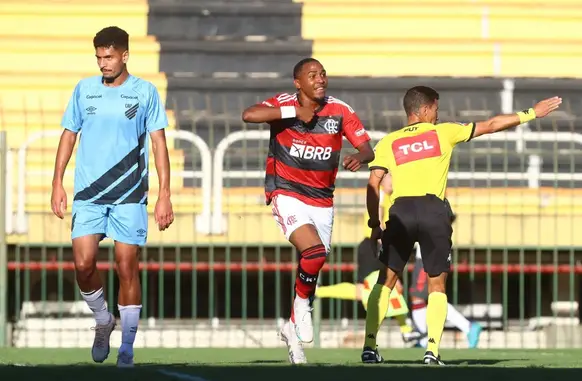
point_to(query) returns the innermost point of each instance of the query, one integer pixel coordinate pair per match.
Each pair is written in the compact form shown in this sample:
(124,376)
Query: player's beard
(111,78)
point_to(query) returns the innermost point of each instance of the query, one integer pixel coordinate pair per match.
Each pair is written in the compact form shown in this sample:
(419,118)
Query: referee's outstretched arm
(504,122)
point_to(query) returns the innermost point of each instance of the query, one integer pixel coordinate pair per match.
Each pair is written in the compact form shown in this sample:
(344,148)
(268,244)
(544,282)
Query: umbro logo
(371,336)
(91,110)
(431,340)
(132,111)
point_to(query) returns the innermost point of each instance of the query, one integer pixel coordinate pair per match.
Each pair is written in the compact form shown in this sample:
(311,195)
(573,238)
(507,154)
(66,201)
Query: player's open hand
(546,106)
(163,213)
(304,114)
(59,201)
(352,163)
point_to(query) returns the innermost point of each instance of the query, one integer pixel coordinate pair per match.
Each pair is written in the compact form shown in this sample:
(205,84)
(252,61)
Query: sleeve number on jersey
(417,147)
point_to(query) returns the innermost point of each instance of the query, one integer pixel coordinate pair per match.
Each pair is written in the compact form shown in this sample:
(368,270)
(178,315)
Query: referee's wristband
(526,115)
(373,225)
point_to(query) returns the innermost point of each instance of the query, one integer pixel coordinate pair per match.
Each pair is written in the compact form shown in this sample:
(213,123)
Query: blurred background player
(367,274)
(418,158)
(115,112)
(307,130)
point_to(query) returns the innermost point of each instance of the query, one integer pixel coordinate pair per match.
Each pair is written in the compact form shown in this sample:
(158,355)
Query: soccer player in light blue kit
(115,113)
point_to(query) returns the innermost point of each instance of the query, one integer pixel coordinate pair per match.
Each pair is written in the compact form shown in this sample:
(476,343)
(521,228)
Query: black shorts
(367,259)
(419,283)
(422,219)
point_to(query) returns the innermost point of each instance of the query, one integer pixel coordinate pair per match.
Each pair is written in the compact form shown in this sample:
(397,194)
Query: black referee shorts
(422,219)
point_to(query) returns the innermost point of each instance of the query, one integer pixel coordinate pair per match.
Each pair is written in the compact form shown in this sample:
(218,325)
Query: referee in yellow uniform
(418,158)
(367,274)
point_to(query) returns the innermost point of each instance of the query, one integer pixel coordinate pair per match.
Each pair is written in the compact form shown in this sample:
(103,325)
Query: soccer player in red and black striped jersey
(307,131)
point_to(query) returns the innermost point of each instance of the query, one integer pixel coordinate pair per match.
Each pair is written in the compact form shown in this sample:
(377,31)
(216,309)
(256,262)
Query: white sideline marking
(181,376)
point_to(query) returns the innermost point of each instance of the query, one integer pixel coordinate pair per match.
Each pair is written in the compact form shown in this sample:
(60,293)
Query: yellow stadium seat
(37,91)
(447,58)
(70,54)
(184,200)
(72,18)
(531,3)
(453,38)
(441,21)
(22,125)
(48,48)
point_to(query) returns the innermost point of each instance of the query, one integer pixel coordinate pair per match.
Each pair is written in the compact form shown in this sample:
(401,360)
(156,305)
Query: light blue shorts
(126,223)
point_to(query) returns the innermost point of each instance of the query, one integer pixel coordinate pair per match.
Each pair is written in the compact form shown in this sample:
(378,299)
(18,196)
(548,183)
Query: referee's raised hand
(543,108)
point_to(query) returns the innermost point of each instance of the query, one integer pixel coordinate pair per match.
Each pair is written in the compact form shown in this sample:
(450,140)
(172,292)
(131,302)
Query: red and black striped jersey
(303,158)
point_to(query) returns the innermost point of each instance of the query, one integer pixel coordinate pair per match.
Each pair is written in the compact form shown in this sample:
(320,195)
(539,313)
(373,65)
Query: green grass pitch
(271,365)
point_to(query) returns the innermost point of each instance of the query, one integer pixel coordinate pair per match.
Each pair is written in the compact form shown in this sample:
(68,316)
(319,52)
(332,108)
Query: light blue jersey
(115,122)
(111,174)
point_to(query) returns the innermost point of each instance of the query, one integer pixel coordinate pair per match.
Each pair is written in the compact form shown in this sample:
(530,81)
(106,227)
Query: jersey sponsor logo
(94,96)
(310,152)
(128,96)
(413,148)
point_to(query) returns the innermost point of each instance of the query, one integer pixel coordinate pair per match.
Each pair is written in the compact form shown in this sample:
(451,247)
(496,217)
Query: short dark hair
(417,97)
(299,66)
(111,36)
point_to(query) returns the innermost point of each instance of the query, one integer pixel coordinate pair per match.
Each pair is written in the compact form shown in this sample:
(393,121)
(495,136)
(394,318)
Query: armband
(526,115)
(288,112)
(373,225)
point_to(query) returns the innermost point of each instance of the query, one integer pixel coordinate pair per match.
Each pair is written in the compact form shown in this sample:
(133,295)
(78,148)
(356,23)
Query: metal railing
(212,174)
(532,175)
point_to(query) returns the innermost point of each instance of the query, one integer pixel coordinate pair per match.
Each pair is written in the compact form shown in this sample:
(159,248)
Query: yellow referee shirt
(418,157)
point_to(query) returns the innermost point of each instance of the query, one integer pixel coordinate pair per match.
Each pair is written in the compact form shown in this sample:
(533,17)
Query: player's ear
(125,56)
(297,84)
(424,110)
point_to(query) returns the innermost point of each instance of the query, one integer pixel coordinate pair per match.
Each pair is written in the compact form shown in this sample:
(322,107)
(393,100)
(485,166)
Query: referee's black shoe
(431,359)
(371,356)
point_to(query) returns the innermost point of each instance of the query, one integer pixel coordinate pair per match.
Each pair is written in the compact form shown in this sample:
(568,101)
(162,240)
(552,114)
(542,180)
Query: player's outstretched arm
(163,213)
(64,152)
(504,122)
(264,114)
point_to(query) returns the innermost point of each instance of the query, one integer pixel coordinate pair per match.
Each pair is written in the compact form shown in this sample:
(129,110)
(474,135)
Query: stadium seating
(209,60)
(453,38)
(48,49)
